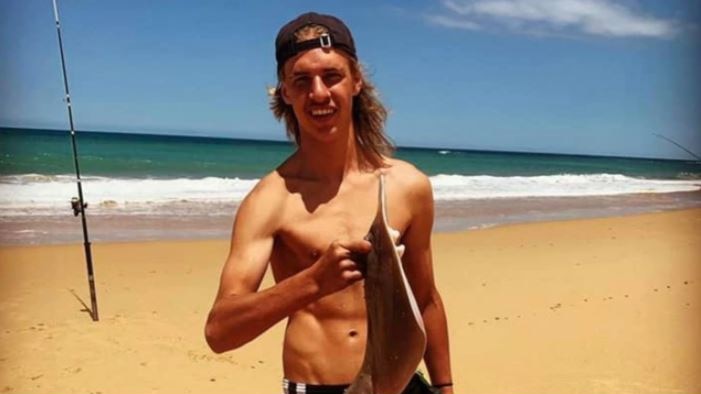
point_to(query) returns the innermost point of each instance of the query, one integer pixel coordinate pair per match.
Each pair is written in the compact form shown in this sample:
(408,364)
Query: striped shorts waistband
(289,387)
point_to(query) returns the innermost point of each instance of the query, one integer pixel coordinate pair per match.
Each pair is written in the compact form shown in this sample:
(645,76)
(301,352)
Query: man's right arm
(240,312)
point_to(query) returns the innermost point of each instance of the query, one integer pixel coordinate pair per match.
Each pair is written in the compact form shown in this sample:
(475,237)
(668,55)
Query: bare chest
(305,234)
(312,218)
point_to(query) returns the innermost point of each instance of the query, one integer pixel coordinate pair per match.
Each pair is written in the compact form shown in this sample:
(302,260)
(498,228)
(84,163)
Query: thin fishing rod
(78,205)
(678,145)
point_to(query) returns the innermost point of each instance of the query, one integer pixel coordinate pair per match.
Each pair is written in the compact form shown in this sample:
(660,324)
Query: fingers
(394,234)
(400,250)
(345,261)
(350,271)
(350,255)
(356,249)
(340,266)
(348,264)
(356,246)
(352,276)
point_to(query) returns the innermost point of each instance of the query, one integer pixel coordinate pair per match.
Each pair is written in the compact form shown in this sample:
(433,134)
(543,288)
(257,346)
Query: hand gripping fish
(396,338)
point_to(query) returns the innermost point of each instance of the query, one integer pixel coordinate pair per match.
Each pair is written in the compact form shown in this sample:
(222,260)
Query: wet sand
(608,305)
(185,221)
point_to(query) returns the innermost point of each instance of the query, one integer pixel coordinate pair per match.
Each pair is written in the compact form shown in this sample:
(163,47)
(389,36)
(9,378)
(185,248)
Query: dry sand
(588,306)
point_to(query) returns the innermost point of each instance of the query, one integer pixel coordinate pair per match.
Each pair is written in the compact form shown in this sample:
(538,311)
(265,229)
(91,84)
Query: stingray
(396,337)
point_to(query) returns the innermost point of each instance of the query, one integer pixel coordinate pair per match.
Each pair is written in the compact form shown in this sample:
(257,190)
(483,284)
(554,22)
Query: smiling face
(319,86)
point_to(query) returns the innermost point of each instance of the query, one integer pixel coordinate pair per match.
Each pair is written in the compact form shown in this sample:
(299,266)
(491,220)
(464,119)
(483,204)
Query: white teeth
(322,112)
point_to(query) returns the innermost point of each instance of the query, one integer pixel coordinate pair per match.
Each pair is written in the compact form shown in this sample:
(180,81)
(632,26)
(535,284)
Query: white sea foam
(459,187)
(33,194)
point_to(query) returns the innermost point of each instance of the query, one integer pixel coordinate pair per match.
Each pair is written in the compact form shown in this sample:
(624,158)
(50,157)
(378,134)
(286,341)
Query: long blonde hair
(369,114)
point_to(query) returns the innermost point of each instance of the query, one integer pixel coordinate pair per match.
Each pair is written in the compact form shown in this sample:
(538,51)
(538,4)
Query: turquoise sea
(48,152)
(145,183)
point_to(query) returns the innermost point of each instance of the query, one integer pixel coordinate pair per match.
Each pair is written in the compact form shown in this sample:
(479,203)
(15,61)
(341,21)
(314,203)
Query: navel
(353,333)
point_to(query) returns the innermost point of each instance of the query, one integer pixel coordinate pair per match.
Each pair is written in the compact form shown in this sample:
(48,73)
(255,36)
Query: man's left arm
(418,265)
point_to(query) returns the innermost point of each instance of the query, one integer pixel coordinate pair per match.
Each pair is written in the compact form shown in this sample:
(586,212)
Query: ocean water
(156,178)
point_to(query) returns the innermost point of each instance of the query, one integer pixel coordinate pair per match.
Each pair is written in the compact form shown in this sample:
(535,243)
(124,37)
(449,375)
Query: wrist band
(440,386)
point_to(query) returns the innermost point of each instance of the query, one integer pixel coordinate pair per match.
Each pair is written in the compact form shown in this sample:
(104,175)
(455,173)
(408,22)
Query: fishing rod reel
(75,204)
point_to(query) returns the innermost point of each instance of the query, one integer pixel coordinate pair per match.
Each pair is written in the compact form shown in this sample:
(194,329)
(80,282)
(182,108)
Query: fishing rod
(678,145)
(78,203)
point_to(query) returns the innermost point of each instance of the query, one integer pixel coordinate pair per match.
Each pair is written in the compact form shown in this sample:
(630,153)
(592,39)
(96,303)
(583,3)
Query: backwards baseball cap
(338,36)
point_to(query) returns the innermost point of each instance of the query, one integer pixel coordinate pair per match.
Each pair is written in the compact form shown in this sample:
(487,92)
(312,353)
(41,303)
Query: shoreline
(605,305)
(447,231)
(450,216)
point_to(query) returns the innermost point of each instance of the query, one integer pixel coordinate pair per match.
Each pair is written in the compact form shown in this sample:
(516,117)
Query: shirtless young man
(307,219)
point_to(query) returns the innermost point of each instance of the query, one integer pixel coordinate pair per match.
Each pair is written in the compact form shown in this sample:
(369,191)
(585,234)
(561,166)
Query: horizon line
(287,141)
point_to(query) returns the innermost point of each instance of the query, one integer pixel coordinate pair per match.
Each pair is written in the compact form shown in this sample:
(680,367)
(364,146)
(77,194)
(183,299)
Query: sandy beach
(608,305)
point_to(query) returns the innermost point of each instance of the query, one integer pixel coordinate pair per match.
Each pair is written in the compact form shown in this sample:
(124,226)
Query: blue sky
(564,76)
